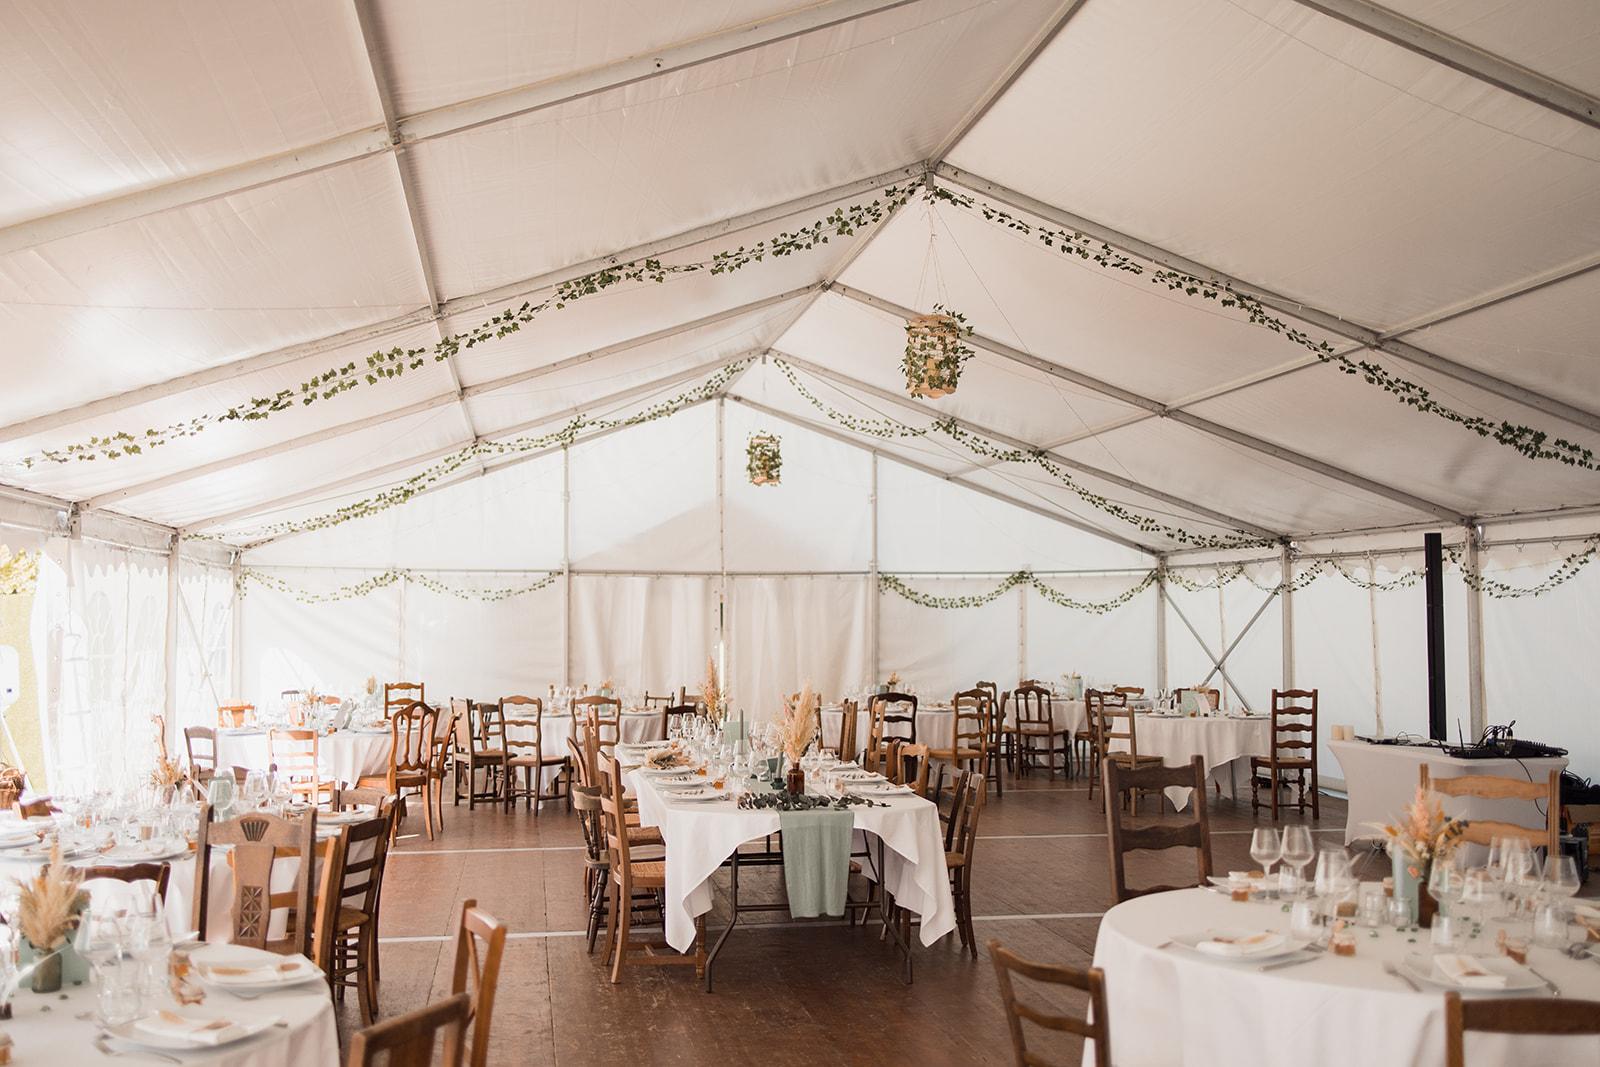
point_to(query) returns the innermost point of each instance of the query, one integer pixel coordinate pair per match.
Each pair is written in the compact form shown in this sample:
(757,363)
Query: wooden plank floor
(786,993)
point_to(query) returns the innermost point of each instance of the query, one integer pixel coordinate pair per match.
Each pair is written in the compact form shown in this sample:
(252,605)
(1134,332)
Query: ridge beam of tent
(621,396)
(460,305)
(463,393)
(1155,407)
(1000,437)
(1323,320)
(1462,57)
(934,472)
(438,122)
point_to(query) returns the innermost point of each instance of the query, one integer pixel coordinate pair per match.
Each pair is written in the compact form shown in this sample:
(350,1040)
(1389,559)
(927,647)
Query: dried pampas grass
(48,905)
(799,724)
(713,692)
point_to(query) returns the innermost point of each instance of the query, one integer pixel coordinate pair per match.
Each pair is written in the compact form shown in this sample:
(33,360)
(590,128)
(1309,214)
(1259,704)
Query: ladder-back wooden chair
(480,942)
(1194,832)
(630,876)
(200,744)
(849,719)
(1513,1015)
(602,716)
(1096,1028)
(294,757)
(1494,787)
(397,695)
(260,842)
(966,806)
(355,933)
(1000,758)
(1294,751)
(235,716)
(526,759)
(408,1040)
(156,873)
(1036,731)
(1117,741)
(673,712)
(411,730)
(1210,699)
(969,733)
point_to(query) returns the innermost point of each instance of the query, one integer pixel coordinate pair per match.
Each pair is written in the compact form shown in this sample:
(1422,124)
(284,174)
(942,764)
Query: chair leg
(1277,786)
(365,950)
(1316,806)
(624,918)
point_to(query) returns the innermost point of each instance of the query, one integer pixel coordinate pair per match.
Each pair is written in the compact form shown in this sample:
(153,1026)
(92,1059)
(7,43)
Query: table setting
(354,738)
(1225,740)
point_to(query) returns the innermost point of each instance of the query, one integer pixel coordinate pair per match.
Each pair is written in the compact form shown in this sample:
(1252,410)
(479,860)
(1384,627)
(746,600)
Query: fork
(1555,990)
(1393,971)
(102,1044)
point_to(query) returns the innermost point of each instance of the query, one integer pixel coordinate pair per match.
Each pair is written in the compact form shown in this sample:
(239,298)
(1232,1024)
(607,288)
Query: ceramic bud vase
(46,973)
(1407,886)
(795,780)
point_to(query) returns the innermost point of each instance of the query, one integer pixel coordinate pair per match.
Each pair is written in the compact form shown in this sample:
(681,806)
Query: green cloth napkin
(816,860)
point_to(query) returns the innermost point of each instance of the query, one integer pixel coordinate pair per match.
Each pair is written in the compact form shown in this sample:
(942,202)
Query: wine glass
(1334,878)
(1266,848)
(150,942)
(1297,851)
(1522,876)
(219,794)
(255,789)
(1560,877)
(1445,883)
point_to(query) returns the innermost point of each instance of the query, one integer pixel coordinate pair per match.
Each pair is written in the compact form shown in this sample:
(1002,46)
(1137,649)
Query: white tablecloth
(1172,1006)
(343,756)
(936,723)
(1220,740)
(635,727)
(700,836)
(58,1036)
(1382,779)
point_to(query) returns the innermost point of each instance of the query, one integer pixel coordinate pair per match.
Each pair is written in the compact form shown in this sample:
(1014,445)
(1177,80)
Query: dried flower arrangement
(712,692)
(48,904)
(799,725)
(1423,833)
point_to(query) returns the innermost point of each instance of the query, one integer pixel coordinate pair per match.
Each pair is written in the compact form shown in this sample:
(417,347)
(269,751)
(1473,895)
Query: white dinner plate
(878,789)
(41,851)
(359,813)
(661,772)
(219,966)
(18,838)
(694,796)
(1269,948)
(146,851)
(129,1033)
(1518,978)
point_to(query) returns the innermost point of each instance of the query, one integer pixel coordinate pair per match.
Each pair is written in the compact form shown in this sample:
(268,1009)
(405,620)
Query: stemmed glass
(1266,848)
(219,794)
(1334,878)
(1446,884)
(1297,851)
(150,943)
(102,939)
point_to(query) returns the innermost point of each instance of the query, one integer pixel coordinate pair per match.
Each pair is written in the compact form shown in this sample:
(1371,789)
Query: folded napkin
(1238,946)
(816,860)
(253,973)
(13,838)
(170,1024)
(1467,972)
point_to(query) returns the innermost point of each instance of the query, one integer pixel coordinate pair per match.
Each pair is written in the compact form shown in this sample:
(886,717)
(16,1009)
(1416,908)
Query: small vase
(795,780)
(1407,887)
(47,973)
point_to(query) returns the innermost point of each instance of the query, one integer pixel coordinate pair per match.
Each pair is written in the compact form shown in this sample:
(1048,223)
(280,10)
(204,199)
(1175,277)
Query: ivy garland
(566,435)
(1569,569)
(389,364)
(386,579)
(763,459)
(19,572)
(935,352)
(1535,444)
(1028,578)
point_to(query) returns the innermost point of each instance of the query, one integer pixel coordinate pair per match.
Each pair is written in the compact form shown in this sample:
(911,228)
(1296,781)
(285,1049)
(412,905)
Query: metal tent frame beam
(1323,320)
(1000,437)
(439,122)
(1460,56)
(461,305)
(1215,429)
(934,472)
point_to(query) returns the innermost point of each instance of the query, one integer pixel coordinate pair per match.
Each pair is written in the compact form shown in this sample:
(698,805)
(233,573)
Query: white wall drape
(786,632)
(205,645)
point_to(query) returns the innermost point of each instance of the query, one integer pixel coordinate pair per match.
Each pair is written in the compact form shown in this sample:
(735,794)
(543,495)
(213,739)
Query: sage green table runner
(816,860)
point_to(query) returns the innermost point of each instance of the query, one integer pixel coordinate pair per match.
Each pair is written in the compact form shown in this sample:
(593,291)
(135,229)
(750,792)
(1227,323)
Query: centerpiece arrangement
(797,728)
(1422,836)
(712,693)
(49,906)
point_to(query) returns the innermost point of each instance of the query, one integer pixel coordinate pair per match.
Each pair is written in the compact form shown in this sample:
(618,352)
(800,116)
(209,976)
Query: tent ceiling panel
(275,476)
(697,145)
(1105,323)
(104,99)
(1398,445)
(1544,340)
(1236,480)
(1404,189)
(228,440)
(141,302)
(442,54)
(1557,38)
(868,344)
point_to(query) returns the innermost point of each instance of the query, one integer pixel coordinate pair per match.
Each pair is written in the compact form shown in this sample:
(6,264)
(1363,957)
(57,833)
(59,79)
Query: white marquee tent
(1260,291)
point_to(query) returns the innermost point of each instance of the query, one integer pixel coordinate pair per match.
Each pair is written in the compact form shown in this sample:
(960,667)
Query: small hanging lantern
(763,460)
(935,352)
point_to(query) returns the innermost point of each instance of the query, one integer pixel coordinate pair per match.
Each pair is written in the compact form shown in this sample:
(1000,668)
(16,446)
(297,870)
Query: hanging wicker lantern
(763,460)
(935,352)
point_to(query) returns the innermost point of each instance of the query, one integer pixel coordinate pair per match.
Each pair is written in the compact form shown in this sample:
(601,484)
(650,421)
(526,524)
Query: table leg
(887,911)
(733,920)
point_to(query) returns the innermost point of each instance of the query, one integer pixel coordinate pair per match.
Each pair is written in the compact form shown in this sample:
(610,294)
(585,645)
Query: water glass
(1303,921)
(1372,907)
(1400,916)
(116,994)
(1443,936)
(1550,928)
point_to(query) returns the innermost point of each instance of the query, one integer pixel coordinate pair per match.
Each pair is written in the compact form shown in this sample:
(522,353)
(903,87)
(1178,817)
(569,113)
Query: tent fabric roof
(202,203)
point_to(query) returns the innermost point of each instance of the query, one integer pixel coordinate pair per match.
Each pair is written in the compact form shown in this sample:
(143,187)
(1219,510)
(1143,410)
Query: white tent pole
(1460,56)
(1215,429)
(1022,632)
(566,566)
(1161,625)
(170,684)
(236,653)
(1324,320)
(1377,654)
(1205,647)
(1286,583)
(1229,646)
(1476,690)
(438,122)
(722,545)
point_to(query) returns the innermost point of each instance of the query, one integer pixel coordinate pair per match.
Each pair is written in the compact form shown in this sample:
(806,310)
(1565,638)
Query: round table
(45,1028)
(1171,1005)
(635,727)
(1222,740)
(344,756)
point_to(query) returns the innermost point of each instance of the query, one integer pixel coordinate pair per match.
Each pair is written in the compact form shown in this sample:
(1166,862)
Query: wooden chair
(628,877)
(1211,698)
(200,743)
(411,731)
(885,717)
(355,920)
(527,736)
(260,841)
(480,745)
(234,716)
(1493,787)
(398,695)
(1107,716)
(1095,1028)
(596,860)
(1294,749)
(408,1040)
(997,736)
(294,757)
(1128,690)
(969,733)
(602,716)
(480,942)
(1034,722)
(675,711)
(159,873)
(662,701)
(1513,1015)
(962,842)
(444,732)
(910,765)
(694,700)
(849,719)
(1193,832)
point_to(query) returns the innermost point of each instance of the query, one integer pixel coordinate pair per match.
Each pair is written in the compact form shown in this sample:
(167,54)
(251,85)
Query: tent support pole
(1022,633)
(1206,648)
(1228,650)
(722,544)
(566,566)
(872,582)
(1477,708)
(1161,624)
(170,685)
(236,653)
(1286,583)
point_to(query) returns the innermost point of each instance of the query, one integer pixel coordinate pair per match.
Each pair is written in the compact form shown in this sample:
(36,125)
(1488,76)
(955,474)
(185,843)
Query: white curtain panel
(331,647)
(642,633)
(205,646)
(938,651)
(1117,647)
(1256,665)
(105,628)
(785,632)
(483,650)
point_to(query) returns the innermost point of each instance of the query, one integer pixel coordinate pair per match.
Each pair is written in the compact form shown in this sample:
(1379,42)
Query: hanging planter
(935,352)
(763,460)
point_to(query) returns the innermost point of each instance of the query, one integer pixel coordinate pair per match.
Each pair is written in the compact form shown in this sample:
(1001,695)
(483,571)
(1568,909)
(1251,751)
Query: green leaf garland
(890,583)
(386,579)
(19,572)
(1569,569)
